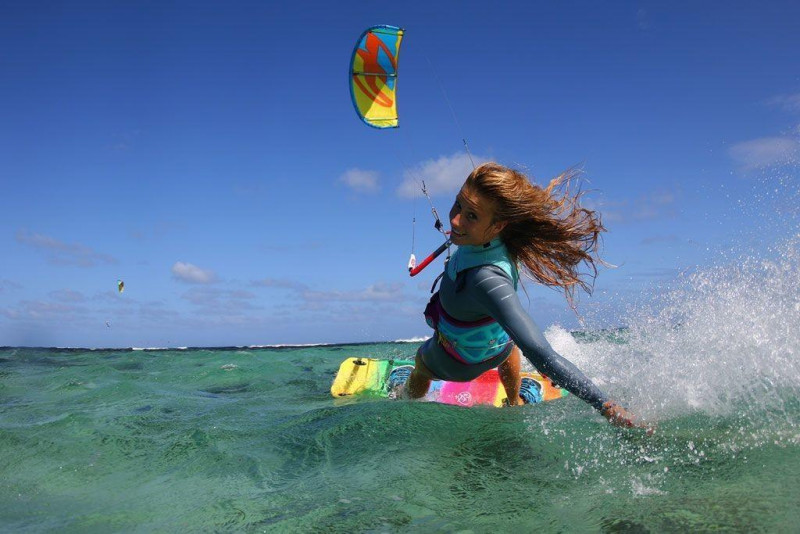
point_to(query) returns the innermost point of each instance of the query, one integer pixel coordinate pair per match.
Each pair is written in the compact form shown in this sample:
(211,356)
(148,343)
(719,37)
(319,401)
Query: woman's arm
(494,291)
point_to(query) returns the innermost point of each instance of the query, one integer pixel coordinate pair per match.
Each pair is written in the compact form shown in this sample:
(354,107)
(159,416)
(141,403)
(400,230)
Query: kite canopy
(373,75)
(120,286)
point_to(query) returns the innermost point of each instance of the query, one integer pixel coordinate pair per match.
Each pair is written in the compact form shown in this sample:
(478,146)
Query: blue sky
(208,155)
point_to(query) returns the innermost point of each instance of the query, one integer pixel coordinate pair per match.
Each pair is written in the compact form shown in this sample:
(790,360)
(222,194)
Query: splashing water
(722,338)
(716,367)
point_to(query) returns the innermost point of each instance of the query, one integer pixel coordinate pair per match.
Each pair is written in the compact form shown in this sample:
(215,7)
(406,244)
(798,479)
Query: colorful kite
(373,75)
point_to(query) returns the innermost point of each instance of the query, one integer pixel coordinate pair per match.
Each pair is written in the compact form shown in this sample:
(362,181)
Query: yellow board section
(360,375)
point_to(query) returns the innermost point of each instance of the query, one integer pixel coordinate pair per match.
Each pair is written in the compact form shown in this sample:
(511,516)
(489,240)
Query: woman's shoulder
(483,273)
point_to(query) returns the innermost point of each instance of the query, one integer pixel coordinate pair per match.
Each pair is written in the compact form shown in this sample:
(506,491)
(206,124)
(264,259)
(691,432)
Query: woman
(501,221)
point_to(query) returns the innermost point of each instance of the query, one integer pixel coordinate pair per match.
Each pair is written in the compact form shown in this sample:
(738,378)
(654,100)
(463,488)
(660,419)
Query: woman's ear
(499,226)
(494,230)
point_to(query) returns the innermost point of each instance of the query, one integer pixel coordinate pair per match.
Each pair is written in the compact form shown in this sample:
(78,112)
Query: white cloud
(154,231)
(374,293)
(220,300)
(43,310)
(6,284)
(379,292)
(441,176)
(647,207)
(60,253)
(789,103)
(186,272)
(279,283)
(67,295)
(765,152)
(361,181)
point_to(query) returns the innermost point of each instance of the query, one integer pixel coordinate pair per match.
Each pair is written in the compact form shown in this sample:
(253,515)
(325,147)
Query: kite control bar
(413,271)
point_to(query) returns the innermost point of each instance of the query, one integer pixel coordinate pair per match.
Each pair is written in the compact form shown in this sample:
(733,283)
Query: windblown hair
(547,231)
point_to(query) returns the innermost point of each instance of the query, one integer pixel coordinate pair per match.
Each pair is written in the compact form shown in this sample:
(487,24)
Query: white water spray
(720,337)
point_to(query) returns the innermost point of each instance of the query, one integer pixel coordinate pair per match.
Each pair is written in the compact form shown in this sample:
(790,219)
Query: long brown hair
(548,232)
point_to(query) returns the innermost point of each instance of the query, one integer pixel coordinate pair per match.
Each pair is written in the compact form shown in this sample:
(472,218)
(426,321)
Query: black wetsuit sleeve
(493,290)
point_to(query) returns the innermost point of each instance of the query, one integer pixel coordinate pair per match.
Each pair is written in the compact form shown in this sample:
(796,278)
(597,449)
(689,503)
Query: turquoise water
(250,440)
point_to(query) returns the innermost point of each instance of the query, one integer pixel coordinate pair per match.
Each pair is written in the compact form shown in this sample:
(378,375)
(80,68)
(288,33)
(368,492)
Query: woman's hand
(619,416)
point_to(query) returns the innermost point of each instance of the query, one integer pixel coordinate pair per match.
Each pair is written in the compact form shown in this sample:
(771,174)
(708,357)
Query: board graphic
(373,377)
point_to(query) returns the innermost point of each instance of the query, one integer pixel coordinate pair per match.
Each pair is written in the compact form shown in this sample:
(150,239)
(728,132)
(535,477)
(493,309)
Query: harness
(471,342)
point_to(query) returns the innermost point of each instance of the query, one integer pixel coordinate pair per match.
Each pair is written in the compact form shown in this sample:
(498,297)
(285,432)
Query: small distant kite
(120,286)
(373,75)
(108,325)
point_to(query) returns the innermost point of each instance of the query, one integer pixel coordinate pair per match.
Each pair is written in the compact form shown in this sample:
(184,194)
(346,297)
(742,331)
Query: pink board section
(486,389)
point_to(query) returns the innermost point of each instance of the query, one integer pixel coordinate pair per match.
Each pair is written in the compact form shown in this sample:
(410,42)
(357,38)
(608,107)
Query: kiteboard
(382,378)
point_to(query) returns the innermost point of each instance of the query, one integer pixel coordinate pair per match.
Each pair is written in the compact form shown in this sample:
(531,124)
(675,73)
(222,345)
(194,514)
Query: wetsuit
(472,293)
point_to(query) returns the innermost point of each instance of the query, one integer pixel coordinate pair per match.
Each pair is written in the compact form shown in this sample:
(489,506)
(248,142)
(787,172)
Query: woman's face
(472,219)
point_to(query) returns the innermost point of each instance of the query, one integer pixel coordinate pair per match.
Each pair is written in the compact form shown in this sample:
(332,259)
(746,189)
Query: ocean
(250,439)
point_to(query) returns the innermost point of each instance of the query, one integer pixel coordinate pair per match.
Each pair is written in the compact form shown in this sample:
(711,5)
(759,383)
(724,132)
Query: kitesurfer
(501,222)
